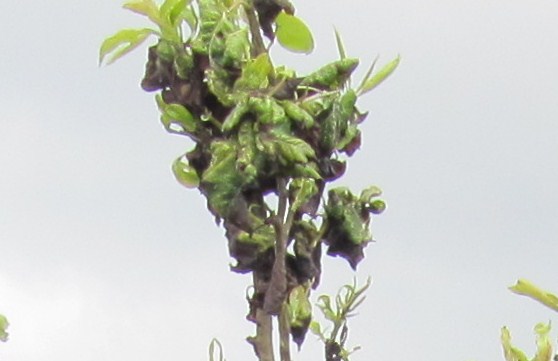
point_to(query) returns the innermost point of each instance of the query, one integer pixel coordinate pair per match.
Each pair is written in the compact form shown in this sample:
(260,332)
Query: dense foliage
(267,141)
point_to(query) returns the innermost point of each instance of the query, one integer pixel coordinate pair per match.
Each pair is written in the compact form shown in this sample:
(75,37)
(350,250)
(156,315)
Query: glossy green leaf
(3,326)
(145,7)
(185,174)
(379,77)
(525,288)
(122,43)
(293,34)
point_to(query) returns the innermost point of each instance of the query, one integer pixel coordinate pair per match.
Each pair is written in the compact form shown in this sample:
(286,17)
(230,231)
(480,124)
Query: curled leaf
(544,344)
(184,173)
(526,288)
(293,34)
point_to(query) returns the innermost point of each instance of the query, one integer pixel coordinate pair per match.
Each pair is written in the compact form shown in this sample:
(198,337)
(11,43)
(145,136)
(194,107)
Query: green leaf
(267,110)
(235,116)
(237,48)
(178,114)
(222,181)
(367,194)
(316,329)
(302,189)
(298,114)
(184,173)
(309,170)
(511,353)
(332,75)
(293,34)
(379,77)
(300,308)
(3,326)
(340,46)
(526,288)
(122,43)
(255,74)
(544,344)
(171,10)
(291,149)
(144,7)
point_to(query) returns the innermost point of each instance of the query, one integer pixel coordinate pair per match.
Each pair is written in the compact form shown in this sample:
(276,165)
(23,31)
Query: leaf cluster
(260,130)
(544,350)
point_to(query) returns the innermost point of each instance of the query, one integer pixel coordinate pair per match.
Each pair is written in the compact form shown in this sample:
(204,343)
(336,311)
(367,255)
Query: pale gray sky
(105,257)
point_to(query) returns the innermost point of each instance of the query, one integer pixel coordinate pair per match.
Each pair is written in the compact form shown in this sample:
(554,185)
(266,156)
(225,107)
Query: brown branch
(263,341)
(257,40)
(277,290)
(284,335)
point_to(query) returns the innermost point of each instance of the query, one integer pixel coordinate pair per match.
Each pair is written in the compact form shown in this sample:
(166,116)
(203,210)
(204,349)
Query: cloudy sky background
(105,257)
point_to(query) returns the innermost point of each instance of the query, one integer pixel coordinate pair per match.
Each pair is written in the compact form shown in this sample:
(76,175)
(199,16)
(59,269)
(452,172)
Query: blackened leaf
(268,11)
(122,43)
(347,226)
(350,141)
(293,34)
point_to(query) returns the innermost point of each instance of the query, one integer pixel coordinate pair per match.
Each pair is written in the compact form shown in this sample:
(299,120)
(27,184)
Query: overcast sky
(104,256)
